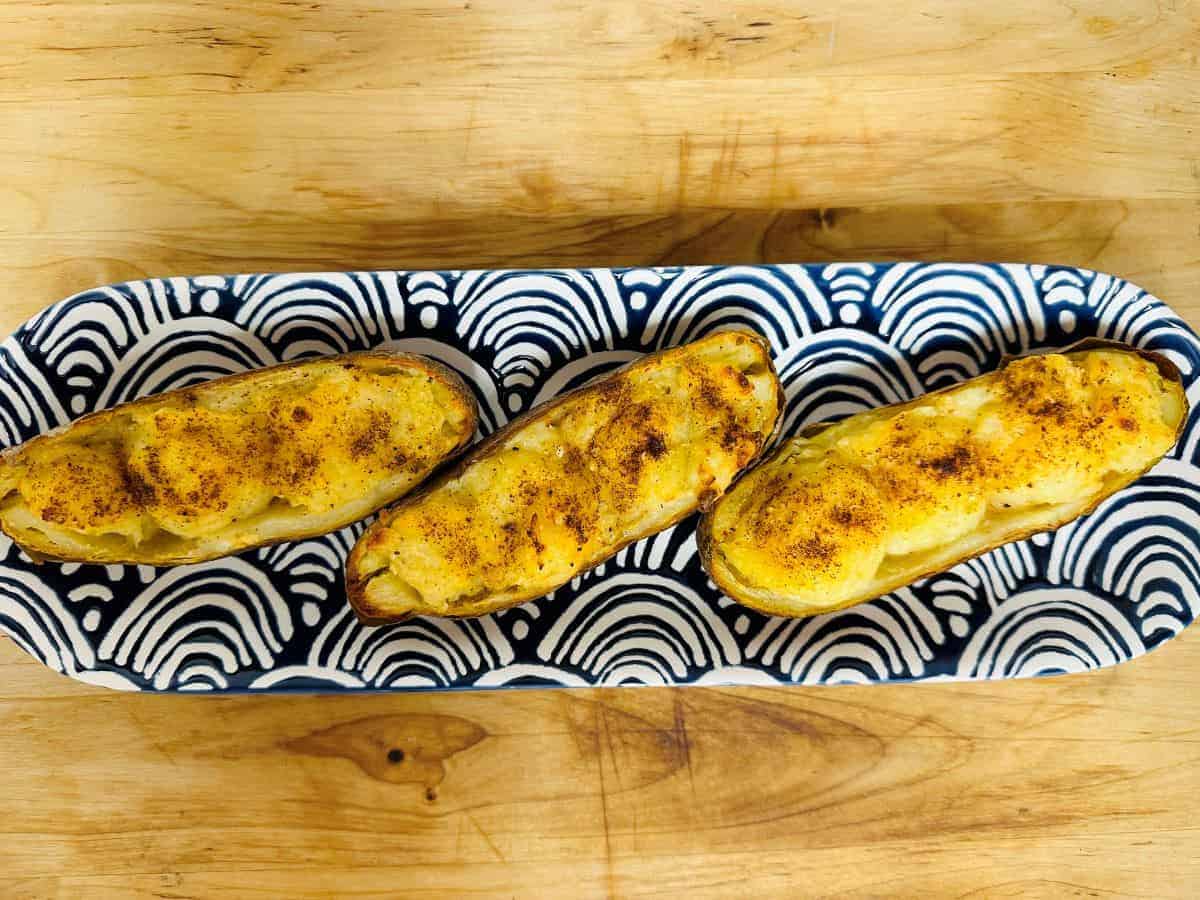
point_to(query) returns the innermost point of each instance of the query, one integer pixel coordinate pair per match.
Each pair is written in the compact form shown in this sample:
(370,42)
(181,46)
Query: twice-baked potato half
(566,486)
(848,511)
(274,454)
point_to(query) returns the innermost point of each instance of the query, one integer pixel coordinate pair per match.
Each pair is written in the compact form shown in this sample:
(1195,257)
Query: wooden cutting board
(152,138)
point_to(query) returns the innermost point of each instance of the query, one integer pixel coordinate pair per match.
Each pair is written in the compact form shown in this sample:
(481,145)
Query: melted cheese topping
(234,463)
(572,484)
(884,497)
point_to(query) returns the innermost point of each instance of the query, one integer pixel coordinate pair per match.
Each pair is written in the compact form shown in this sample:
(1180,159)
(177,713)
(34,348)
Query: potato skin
(460,410)
(494,451)
(721,574)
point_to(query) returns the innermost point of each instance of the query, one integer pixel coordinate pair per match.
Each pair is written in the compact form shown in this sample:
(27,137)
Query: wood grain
(1081,782)
(157,48)
(143,138)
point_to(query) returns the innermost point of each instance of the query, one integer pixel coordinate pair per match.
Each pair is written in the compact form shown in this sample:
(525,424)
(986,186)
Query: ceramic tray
(846,337)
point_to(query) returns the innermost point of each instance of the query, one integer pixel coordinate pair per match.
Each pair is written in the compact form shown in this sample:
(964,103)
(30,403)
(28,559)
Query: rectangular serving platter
(845,336)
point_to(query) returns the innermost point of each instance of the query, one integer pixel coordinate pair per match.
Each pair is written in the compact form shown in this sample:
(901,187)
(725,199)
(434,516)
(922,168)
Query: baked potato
(847,511)
(566,486)
(270,455)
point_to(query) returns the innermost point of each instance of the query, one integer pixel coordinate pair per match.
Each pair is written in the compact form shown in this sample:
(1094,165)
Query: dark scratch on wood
(682,741)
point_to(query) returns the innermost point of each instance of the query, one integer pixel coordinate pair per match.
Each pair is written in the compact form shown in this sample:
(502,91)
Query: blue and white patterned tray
(846,337)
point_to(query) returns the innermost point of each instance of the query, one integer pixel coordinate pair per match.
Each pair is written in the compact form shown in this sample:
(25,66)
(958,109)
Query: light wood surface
(159,138)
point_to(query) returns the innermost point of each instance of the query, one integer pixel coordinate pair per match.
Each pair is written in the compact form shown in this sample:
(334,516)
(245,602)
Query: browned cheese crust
(273,454)
(568,485)
(848,511)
